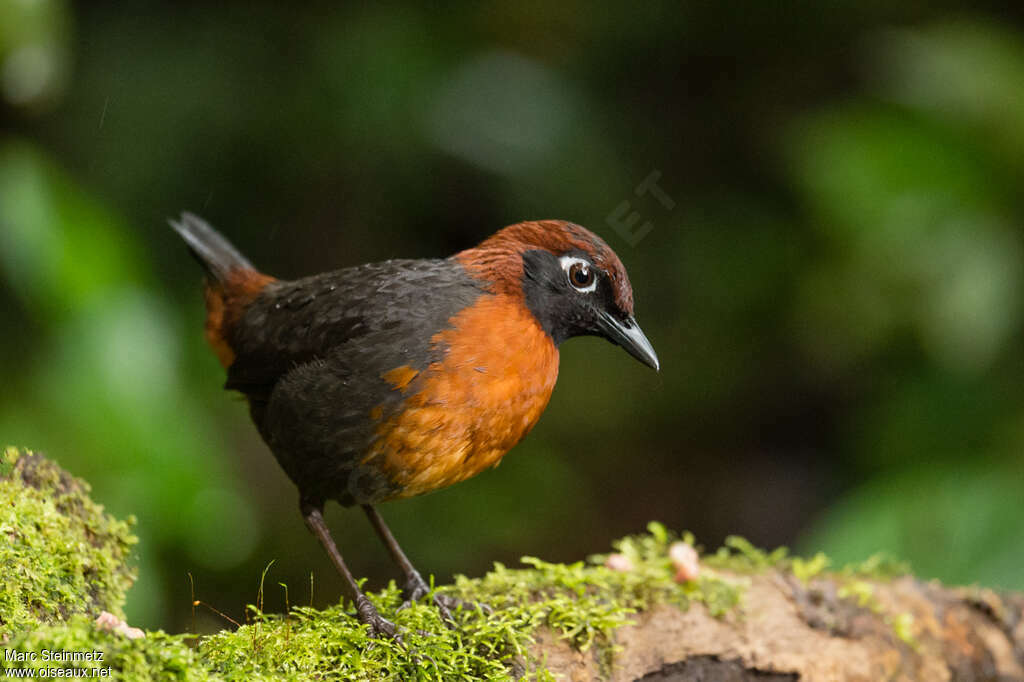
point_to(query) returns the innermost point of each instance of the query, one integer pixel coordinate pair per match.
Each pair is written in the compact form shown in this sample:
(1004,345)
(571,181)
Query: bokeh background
(832,272)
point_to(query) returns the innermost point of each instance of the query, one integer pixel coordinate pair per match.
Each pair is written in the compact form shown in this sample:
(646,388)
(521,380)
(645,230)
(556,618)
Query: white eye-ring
(582,275)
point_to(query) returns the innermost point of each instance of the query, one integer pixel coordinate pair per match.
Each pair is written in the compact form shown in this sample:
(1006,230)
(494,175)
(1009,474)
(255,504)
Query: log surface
(905,629)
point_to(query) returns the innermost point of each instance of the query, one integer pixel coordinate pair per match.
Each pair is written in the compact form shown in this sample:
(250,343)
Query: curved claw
(446,614)
(413,591)
(380,627)
(416,589)
(455,604)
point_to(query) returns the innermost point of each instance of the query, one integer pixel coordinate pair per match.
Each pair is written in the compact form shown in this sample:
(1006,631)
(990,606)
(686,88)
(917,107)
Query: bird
(389,380)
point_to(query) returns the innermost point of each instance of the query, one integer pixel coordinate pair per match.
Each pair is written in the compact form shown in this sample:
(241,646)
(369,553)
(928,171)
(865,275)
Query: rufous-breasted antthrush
(388,380)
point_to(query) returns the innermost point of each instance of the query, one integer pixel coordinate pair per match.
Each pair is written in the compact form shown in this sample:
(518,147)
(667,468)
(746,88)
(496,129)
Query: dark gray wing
(310,356)
(395,306)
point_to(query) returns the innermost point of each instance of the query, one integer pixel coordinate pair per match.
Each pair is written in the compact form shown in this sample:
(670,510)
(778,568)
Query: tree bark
(903,629)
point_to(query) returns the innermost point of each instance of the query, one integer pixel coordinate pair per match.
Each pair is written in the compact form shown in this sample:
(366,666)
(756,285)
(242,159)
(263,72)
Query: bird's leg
(415,586)
(366,612)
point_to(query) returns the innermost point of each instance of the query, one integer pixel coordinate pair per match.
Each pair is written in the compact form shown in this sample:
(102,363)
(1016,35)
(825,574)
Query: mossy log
(649,611)
(785,629)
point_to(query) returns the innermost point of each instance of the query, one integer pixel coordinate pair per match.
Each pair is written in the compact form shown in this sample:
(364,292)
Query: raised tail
(232,281)
(210,248)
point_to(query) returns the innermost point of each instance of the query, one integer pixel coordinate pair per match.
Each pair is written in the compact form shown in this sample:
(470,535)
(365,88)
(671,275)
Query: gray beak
(629,335)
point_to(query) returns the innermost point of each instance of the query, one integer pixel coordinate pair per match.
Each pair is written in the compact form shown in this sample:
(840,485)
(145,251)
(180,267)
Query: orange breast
(464,413)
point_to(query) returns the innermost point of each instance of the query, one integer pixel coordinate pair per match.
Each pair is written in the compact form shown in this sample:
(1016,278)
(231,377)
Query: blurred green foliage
(835,292)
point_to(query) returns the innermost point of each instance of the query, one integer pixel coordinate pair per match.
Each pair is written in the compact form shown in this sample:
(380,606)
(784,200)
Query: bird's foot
(455,604)
(417,588)
(380,627)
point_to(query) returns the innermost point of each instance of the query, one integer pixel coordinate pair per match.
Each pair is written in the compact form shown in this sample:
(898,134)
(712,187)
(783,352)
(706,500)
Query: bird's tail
(232,282)
(215,253)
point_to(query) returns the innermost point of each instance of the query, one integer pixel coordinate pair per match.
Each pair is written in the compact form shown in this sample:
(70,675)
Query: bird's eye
(581,276)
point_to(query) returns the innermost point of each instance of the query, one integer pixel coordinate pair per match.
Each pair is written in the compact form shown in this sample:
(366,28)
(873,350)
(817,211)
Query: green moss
(158,656)
(879,566)
(66,562)
(860,592)
(583,603)
(60,553)
(805,569)
(651,580)
(330,644)
(902,625)
(738,554)
(7,459)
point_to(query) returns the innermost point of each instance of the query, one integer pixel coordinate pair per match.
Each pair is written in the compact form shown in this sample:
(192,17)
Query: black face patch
(562,310)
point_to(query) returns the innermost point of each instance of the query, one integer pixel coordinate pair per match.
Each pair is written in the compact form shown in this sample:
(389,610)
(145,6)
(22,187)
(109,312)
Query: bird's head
(570,280)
